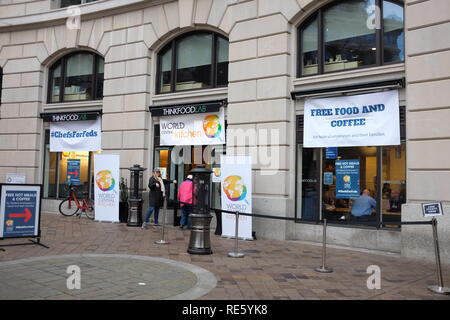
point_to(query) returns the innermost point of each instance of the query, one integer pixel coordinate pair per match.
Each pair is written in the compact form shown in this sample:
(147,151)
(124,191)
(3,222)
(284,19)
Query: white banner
(76,136)
(106,187)
(361,120)
(193,129)
(236,193)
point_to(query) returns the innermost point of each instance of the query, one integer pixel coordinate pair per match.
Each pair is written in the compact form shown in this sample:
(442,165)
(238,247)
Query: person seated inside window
(362,207)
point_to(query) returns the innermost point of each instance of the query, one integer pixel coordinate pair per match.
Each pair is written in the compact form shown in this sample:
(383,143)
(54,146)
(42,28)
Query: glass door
(308,183)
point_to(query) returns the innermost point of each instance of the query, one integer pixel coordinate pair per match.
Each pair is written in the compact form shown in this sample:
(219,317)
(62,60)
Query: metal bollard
(236,254)
(162,241)
(440,287)
(323,268)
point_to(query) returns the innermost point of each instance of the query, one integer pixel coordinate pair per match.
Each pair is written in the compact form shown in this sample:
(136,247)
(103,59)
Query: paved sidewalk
(270,270)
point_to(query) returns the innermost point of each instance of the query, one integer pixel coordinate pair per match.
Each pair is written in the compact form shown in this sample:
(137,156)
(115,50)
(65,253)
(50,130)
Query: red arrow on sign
(74,172)
(26,215)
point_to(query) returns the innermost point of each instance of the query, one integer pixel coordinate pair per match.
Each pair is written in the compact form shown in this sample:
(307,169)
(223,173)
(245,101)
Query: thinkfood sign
(360,120)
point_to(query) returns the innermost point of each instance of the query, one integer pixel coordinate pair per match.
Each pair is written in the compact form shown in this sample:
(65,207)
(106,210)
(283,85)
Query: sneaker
(144,225)
(181,226)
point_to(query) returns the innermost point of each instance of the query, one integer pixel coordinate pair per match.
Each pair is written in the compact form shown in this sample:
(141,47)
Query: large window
(68,3)
(351,34)
(194,61)
(76,77)
(381,170)
(57,171)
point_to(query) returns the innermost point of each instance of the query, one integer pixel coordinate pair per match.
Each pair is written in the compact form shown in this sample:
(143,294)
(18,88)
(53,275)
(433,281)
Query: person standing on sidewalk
(157,193)
(185,197)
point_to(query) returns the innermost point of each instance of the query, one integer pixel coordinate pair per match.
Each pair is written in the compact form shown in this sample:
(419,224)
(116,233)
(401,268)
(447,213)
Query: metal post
(162,241)
(323,268)
(236,254)
(440,287)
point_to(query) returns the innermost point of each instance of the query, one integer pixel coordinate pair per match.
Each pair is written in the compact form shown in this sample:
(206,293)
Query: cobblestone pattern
(270,269)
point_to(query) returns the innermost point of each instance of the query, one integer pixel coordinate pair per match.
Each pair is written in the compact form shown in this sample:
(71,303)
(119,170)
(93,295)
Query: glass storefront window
(310,46)
(308,191)
(321,180)
(65,171)
(56,82)
(222,62)
(351,34)
(337,180)
(393,182)
(393,37)
(194,62)
(349,43)
(78,79)
(62,167)
(166,74)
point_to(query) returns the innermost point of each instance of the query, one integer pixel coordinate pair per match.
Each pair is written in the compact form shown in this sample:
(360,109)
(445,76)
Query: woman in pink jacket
(185,196)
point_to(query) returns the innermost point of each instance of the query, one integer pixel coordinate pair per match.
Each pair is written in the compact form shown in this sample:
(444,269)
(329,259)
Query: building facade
(125,63)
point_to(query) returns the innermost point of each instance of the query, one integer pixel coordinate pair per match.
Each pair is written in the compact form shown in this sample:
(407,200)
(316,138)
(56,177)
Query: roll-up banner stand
(20,212)
(236,194)
(106,187)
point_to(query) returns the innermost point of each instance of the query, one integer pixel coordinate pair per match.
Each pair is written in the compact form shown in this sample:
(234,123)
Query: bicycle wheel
(90,212)
(67,208)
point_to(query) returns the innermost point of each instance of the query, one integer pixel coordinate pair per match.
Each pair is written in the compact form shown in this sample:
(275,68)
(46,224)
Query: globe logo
(211,126)
(105,180)
(234,188)
(346,179)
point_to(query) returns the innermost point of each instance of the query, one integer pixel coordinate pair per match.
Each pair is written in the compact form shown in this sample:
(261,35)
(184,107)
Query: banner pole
(323,268)
(440,287)
(236,254)
(162,241)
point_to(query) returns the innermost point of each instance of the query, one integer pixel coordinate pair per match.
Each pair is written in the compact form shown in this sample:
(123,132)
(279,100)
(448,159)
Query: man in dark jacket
(157,193)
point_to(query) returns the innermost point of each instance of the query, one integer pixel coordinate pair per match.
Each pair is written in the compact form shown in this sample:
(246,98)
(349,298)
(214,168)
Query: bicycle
(71,205)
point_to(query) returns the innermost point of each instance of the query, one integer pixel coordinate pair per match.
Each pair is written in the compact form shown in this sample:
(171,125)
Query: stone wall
(428,132)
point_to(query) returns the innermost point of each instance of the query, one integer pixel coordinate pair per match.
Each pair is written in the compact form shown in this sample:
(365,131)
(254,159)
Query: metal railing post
(236,253)
(439,288)
(323,268)
(163,241)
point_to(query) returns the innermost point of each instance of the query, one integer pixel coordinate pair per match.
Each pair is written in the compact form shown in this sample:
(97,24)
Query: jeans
(185,218)
(149,214)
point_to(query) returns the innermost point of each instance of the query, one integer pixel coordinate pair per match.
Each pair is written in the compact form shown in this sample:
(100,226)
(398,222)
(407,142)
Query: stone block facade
(262,74)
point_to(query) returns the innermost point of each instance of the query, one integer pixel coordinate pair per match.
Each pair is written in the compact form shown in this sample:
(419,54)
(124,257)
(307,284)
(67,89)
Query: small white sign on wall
(16,178)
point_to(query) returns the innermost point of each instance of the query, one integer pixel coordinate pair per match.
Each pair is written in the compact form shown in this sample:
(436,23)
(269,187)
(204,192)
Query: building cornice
(88,11)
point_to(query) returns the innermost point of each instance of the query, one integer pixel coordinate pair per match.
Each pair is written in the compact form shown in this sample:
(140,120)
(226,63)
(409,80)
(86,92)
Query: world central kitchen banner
(106,187)
(347,121)
(76,136)
(193,129)
(236,178)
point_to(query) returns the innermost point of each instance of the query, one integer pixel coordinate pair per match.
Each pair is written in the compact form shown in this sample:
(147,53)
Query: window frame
(82,2)
(173,76)
(318,14)
(63,64)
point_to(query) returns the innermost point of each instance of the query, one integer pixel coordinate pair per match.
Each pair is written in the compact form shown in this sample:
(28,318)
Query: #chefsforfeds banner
(236,191)
(361,120)
(76,136)
(19,210)
(193,129)
(106,187)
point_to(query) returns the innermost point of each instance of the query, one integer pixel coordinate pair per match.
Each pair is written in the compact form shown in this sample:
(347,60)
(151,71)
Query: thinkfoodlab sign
(187,109)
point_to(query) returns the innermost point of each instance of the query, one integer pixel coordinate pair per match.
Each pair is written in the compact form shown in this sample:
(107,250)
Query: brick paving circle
(103,276)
